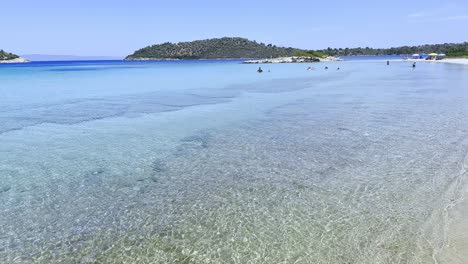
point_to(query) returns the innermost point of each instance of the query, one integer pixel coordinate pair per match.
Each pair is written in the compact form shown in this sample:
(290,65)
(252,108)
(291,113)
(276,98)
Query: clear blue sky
(118,27)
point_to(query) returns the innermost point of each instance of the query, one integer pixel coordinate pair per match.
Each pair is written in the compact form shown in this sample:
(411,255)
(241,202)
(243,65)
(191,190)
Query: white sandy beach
(454,61)
(451,61)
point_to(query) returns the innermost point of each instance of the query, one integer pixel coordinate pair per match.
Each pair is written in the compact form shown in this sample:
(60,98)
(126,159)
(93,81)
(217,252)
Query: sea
(211,162)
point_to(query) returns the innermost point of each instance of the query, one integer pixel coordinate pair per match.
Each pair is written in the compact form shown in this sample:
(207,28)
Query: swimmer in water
(338,69)
(414,64)
(326,68)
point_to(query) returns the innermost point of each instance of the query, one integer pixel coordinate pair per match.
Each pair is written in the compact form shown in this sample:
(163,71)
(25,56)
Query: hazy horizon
(64,57)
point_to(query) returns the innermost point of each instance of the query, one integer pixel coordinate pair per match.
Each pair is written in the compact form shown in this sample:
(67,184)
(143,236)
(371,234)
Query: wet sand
(456,251)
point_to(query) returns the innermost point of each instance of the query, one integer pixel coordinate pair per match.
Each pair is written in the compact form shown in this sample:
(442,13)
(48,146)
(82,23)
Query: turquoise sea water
(210,162)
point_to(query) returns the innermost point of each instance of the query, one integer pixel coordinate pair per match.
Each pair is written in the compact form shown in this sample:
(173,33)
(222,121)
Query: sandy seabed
(456,251)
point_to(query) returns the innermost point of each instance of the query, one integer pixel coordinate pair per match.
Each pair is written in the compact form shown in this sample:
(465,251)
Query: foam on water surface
(349,166)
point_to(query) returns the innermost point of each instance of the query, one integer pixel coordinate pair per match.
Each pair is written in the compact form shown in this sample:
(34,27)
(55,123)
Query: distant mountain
(7,56)
(216,48)
(45,57)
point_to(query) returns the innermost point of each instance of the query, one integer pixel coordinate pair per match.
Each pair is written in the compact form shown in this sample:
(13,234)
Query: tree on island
(7,56)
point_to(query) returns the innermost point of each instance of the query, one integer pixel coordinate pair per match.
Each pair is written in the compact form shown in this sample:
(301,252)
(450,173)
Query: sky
(119,27)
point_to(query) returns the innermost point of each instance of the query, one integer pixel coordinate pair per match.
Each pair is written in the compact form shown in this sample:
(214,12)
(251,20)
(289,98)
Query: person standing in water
(388,62)
(259,70)
(414,64)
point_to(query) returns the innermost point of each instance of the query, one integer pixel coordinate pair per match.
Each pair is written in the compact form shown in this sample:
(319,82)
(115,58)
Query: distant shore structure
(430,56)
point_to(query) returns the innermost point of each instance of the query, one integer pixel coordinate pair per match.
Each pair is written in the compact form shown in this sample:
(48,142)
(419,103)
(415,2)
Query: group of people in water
(414,64)
(326,68)
(260,70)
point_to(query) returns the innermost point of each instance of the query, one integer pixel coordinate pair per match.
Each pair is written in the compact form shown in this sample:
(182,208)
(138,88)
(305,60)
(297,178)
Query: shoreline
(445,233)
(294,59)
(455,249)
(459,61)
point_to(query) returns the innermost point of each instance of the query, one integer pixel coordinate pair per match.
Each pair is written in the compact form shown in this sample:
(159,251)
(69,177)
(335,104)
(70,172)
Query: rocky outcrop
(150,59)
(17,60)
(291,60)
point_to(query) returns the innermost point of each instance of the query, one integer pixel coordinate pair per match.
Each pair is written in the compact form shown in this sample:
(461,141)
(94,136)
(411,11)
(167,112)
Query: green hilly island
(217,48)
(7,56)
(236,47)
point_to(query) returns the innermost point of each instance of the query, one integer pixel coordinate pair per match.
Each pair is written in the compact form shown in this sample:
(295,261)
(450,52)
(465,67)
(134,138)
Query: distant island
(216,48)
(6,57)
(242,48)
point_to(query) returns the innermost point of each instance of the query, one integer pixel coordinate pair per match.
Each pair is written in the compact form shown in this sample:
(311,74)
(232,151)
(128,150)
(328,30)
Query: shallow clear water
(210,162)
